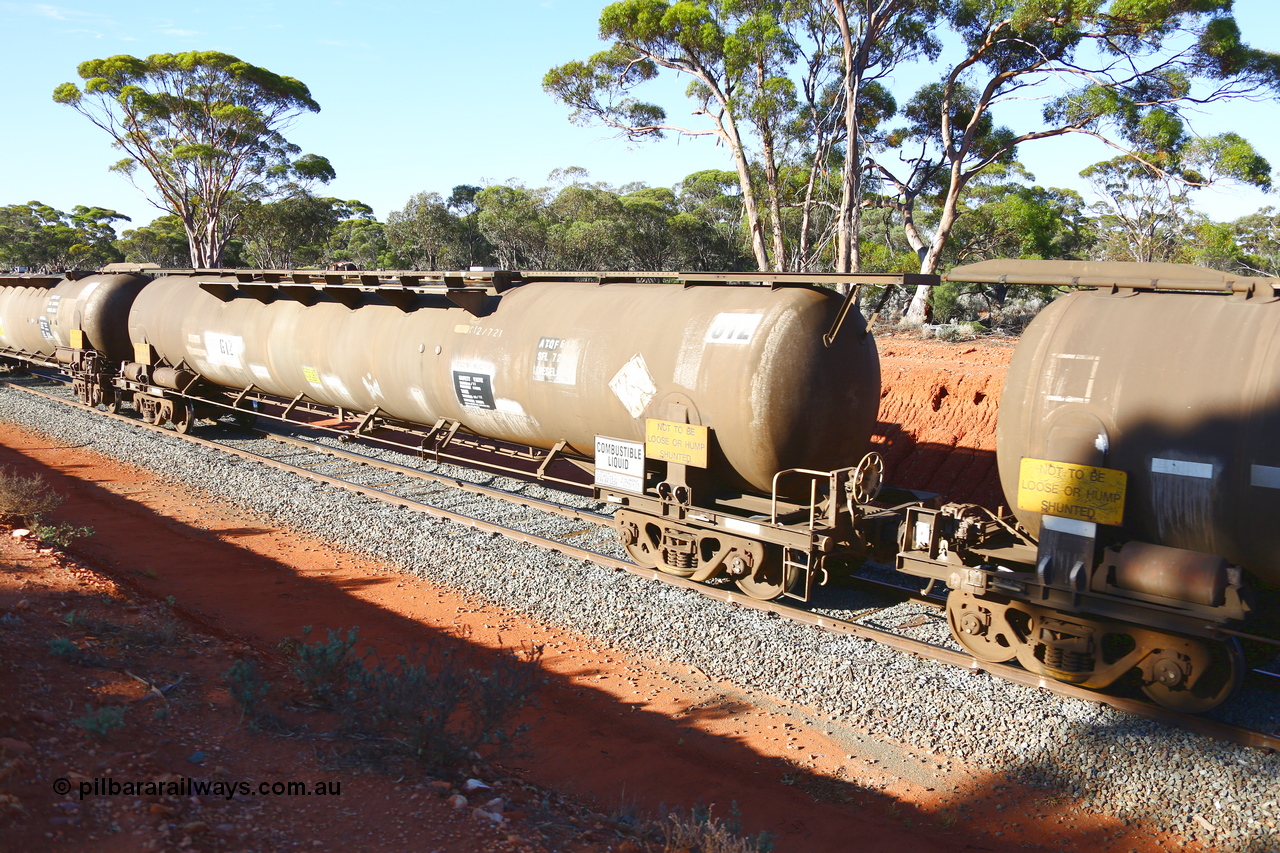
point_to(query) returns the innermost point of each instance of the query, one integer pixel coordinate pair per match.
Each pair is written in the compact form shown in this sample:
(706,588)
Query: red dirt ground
(937,425)
(614,731)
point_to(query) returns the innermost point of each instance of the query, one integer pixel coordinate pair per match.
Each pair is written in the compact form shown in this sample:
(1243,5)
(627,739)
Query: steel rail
(928,651)
(463,485)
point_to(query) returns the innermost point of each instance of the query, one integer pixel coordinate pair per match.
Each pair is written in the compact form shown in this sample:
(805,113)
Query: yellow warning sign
(673,442)
(77,339)
(1081,492)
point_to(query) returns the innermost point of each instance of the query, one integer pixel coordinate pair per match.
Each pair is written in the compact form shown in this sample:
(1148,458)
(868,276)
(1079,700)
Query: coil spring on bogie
(678,552)
(1064,660)
(677,560)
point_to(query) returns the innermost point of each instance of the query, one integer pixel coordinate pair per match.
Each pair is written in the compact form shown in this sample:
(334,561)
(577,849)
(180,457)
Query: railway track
(922,649)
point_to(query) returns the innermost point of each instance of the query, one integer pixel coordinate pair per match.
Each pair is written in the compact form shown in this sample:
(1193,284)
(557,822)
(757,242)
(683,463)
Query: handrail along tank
(1180,389)
(549,361)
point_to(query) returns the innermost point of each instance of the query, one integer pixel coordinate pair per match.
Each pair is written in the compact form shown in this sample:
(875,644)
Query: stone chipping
(1104,760)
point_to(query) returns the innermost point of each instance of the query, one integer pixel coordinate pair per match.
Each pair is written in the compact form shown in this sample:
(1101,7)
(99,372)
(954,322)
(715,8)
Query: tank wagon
(727,416)
(1136,447)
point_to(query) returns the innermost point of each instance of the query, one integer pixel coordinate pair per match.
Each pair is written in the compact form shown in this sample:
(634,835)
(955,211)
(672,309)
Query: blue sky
(417,96)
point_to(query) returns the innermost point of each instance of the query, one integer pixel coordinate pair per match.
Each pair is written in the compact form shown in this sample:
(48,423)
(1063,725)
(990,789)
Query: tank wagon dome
(1170,374)
(550,361)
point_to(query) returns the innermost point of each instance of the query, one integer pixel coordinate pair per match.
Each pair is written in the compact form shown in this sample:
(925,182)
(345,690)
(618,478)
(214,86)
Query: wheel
(768,580)
(1222,678)
(184,417)
(980,627)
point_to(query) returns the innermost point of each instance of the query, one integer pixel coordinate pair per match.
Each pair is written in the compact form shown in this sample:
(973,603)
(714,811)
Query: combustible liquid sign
(673,442)
(1082,492)
(619,464)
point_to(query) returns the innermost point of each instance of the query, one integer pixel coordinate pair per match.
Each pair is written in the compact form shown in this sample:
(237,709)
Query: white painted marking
(633,385)
(1203,470)
(749,527)
(1070,525)
(224,350)
(729,328)
(1266,476)
(1088,390)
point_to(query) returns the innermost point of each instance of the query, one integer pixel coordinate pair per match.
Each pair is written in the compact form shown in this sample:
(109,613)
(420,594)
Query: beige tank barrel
(546,361)
(38,320)
(1179,390)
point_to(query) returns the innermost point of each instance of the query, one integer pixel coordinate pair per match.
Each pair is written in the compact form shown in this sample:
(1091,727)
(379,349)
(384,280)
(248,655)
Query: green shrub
(431,704)
(324,666)
(248,688)
(945,300)
(102,722)
(698,830)
(59,535)
(64,648)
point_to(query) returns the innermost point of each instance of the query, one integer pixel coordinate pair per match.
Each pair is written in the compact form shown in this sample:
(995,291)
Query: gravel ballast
(1106,761)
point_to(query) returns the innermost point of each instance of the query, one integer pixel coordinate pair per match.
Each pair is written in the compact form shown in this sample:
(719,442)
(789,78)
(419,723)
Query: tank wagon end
(1136,446)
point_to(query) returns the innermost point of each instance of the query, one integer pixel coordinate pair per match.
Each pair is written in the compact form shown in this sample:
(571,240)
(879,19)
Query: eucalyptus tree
(1145,213)
(1258,236)
(295,231)
(425,234)
(360,241)
(39,238)
(205,129)
(734,54)
(1125,72)
(162,242)
(785,85)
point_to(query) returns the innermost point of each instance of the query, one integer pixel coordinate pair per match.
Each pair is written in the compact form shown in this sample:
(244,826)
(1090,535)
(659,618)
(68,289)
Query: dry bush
(25,499)
(698,830)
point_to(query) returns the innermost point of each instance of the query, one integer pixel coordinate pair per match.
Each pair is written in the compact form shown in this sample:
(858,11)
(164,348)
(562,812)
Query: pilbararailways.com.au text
(185,786)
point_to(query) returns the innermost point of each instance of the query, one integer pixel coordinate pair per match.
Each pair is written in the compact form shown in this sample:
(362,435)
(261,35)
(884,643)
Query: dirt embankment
(937,424)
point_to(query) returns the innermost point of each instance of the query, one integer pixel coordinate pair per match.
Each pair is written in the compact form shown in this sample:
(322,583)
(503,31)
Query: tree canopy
(36,237)
(802,95)
(206,129)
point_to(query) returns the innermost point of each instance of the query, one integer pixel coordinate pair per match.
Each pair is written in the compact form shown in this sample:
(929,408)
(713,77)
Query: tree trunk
(916,311)
(775,205)
(849,219)
(750,205)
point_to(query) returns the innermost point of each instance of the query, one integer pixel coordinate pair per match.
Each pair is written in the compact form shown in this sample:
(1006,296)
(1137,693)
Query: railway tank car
(729,423)
(1136,446)
(546,364)
(710,410)
(78,320)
